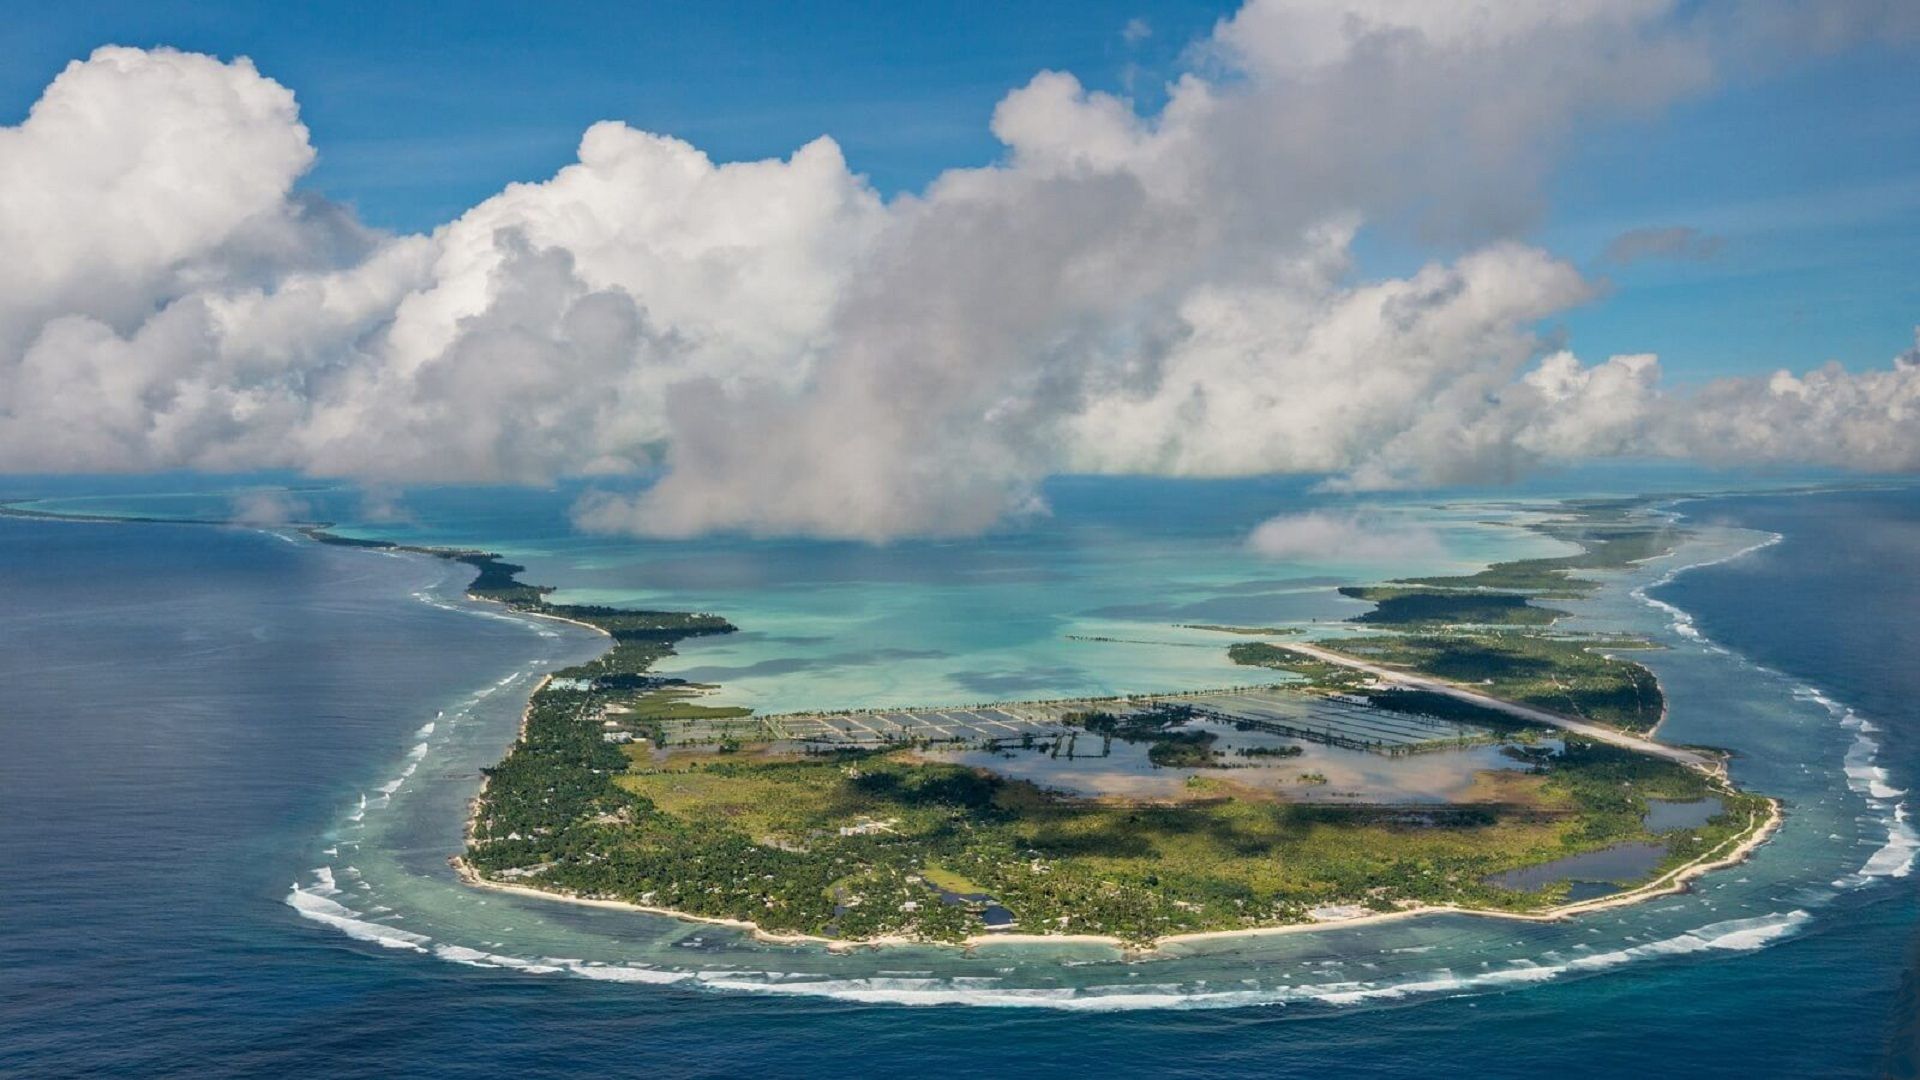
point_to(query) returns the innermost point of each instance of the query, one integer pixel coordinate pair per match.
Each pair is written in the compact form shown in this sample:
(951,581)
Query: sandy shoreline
(468,876)
(541,615)
(520,733)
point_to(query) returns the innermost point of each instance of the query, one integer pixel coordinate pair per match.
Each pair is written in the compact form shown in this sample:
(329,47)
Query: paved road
(1596,732)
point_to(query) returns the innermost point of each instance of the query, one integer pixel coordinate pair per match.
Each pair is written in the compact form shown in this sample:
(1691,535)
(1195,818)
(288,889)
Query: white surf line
(1596,732)
(923,989)
(1681,621)
(1865,776)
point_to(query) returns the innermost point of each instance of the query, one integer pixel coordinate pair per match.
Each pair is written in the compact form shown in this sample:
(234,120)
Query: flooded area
(1600,873)
(1665,814)
(1603,869)
(1298,746)
(1093,766)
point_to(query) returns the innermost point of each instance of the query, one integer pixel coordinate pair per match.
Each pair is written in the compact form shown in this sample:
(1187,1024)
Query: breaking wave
(319,901)
(1680,621)
(1866,777)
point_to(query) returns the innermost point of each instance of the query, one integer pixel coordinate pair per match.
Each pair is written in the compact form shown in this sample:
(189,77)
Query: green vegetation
(1269,751)
(1556,674)
(1564,675)
(1444,707)
(1168,745)
(1251,631)
(1611,786)
(640,638)
(1402,606)
(1144,725)
(497,580)
(704,817)
(863,844)
(942,878)
(1612,534)
(1315,675)
(1483,630)
(1184,750)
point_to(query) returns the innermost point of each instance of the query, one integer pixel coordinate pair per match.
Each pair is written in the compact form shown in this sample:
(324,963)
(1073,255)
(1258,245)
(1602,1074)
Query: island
(1135,821)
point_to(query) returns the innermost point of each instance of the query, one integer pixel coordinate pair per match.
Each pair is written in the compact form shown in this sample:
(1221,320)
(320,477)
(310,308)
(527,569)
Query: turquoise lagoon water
(1090,601)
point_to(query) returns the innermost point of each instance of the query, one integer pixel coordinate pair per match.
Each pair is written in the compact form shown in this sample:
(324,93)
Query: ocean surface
(233,762)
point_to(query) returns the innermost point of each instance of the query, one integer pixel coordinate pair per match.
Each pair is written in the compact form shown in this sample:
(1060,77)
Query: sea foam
(1866,777)
(314,903)
(1732,935)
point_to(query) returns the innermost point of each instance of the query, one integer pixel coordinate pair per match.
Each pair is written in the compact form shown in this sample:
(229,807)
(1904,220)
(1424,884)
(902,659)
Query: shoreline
(471,878)
(526,713)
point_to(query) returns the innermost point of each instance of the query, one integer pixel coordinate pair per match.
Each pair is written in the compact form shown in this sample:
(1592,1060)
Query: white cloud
(130,169)
(268,506)
(1829,416)
(1308,374)
(1319,536)
(1169,292)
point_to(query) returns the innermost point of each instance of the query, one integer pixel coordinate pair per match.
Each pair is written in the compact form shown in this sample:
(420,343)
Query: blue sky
(1809,181)
(1813,179)
(784,338)
(419,111)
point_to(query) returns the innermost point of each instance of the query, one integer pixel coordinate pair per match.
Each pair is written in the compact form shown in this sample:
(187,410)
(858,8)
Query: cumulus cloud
(1313,375)
(1170,292)
(1829,416)
(1348,537)
(1679,242)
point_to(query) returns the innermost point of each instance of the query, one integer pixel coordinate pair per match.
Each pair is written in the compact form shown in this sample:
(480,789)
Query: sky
(1811,180)
(419,115)
(1188,229)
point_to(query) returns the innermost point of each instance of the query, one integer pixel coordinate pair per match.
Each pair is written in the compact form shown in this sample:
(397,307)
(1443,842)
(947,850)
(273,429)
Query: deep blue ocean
(186,710)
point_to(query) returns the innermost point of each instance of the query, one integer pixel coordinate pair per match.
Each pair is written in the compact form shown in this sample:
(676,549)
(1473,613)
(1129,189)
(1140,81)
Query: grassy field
(861,844)
(942,878)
